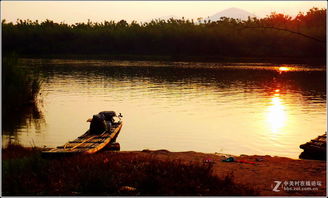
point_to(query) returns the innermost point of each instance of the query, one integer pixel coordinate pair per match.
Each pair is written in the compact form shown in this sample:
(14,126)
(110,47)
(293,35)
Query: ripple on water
(232,110)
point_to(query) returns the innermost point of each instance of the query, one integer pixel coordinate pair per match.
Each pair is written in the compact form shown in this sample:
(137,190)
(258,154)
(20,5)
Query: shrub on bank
(19,87)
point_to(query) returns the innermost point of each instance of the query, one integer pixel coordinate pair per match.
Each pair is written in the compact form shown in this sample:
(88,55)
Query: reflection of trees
(20,91)
(311,84)
(29,116)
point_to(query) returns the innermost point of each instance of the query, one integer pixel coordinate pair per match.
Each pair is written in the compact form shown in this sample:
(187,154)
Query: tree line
(276,35)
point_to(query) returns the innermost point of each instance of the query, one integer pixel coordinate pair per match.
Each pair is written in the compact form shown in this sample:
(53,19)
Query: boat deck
(87,143)
(315,149)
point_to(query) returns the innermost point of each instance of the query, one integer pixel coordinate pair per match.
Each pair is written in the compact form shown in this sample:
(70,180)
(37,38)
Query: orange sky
(98,11)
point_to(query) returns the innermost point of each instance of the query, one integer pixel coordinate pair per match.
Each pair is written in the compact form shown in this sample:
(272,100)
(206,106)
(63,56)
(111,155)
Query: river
(239,108)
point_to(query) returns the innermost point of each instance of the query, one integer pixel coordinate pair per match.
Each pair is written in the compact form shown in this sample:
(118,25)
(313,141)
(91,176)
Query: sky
(141,11)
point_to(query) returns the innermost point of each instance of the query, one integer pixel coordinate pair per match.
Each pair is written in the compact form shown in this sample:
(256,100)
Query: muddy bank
(259,172)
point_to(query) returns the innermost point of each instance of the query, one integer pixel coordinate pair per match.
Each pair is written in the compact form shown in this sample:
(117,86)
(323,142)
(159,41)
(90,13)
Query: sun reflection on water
(284,69)
(276,114)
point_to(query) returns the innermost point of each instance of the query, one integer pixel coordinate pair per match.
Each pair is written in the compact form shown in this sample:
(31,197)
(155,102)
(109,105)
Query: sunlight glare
(276,116)
(284,69)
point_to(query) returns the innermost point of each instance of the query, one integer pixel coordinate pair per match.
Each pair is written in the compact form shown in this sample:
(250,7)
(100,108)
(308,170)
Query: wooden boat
(89,142)
(315,149)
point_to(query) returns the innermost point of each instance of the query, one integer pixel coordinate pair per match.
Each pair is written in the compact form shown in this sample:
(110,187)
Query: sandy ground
(304,177)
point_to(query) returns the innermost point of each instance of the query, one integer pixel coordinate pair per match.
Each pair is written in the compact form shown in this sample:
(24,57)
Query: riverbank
(158,173)
(259,172)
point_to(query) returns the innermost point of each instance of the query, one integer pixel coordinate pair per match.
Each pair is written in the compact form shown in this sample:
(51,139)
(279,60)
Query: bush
(19,87)
(20,90)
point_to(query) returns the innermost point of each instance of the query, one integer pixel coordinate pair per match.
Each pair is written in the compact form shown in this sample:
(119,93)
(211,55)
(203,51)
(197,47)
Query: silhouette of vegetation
(20,89)
(110,173)
(275,36)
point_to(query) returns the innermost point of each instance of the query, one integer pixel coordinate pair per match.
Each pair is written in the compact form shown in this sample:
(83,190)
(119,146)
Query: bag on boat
(98,125)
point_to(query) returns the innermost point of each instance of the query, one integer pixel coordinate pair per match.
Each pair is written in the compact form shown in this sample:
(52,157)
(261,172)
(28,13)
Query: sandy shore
(304,177)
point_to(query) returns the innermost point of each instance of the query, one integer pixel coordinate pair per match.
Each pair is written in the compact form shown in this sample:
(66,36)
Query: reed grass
(20,91)
(19,87)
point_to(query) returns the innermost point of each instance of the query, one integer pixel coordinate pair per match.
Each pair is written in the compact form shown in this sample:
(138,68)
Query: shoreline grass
(20,90)
(19,86)
(110,173)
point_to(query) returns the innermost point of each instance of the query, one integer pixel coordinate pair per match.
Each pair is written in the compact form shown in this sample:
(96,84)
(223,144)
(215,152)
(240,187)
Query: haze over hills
(169,17)
(231,13)
(236,13)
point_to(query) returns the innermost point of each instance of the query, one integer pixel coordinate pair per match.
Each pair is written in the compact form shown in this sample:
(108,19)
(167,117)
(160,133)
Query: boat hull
(86,144)
(315,149)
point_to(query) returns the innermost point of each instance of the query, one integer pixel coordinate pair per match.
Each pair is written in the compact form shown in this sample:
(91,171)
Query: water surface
(233,108)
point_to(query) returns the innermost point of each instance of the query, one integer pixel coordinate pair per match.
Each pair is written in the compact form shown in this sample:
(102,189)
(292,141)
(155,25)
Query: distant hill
(168,17)
(231,13)
(236,13)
